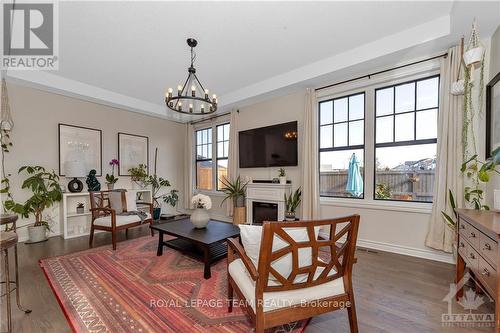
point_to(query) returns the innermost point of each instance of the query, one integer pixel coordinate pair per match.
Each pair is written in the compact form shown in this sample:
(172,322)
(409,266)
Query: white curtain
(188,166)
(232,163)
(449,155)
(310,175)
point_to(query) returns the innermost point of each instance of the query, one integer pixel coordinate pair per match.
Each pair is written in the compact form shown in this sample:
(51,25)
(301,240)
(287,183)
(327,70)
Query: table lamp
(75,169)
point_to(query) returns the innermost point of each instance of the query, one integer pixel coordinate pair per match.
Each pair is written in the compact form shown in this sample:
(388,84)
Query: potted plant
(138,175)
(234,191)
(282,175)
(46,192)
(157,183)
(172,197)
(80,207)
(201,204)
(111,179)
(475,51)
(291,204)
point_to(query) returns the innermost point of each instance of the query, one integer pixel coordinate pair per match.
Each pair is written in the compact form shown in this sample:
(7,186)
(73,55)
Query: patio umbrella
(354,180)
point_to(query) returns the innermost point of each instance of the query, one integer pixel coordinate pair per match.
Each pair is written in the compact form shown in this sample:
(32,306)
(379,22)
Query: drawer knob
(487,247)
(462,226)
(462,244)
(472,235)
(485,272)
(472,256)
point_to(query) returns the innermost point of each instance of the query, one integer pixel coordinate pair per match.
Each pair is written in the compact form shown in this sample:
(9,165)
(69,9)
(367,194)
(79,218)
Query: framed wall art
(132,151)
(492,115)
(77,143)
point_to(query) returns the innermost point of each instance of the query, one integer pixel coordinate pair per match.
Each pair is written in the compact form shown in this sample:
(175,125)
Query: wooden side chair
(106,218)
(323,285)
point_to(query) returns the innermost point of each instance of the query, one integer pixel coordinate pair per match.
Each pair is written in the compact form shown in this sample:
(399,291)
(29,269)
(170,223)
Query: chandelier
(192,97)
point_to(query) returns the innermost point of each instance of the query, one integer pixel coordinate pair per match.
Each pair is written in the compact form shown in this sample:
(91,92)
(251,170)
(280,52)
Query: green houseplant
(282,175)
(110,178)
(139,175)
(234,190)
(291,204)
(157,183)
(46,192)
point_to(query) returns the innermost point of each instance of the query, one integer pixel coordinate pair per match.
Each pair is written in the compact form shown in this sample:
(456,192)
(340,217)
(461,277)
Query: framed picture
(492,115)
(80,143)
(132,151)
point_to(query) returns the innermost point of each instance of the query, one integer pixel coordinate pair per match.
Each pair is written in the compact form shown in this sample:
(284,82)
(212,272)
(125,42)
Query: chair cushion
(251,236)
(280,299)
(105,221)
(115,200)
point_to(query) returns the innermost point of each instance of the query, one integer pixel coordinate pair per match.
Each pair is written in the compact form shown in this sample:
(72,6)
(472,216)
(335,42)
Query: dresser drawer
(472,236)
(488,248)
(462,226)
(463,248)
(488,275)
(472,258)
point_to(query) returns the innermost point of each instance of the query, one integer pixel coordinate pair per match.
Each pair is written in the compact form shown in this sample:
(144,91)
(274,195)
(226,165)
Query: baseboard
(407,251)
(404,250)
(24,238)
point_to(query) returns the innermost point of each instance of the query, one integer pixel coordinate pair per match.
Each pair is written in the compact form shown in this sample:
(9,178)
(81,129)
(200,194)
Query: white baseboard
(25,237)
(407,251)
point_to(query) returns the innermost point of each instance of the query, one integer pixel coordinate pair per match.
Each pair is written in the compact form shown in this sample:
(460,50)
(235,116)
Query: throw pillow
(115,201)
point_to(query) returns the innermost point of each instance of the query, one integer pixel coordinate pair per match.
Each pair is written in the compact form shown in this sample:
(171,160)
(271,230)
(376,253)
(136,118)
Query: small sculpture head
(92,173)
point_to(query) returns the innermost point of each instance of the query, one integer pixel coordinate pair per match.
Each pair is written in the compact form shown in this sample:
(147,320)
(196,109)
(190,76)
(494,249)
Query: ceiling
(126,54)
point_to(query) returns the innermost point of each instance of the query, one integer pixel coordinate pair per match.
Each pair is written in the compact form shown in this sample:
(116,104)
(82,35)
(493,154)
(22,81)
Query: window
(405,140)
(211,159)
(222,153)
(341,137)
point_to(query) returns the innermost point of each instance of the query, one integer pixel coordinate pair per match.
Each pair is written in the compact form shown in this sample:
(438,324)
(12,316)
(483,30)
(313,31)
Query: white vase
(37,234)
(200,218)
(283,180)
(473,56)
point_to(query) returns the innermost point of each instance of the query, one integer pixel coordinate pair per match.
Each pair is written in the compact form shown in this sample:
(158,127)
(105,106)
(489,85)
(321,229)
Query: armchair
(323,285)
(105,218)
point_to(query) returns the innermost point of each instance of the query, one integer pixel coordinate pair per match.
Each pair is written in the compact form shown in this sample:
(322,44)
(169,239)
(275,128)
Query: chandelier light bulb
(193,91)
(191,108)
(179,90)
(202,107)
(179,106)
(206,93)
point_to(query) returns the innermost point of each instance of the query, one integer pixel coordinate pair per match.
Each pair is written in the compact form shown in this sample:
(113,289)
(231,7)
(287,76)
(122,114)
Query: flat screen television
(271,146)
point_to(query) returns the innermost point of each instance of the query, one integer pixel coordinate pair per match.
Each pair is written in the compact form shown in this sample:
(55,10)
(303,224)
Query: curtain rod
(210,118)
(380,72)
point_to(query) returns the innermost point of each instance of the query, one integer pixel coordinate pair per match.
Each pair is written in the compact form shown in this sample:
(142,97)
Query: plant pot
(80,210)
(283,180)
(457,88)
(473,56)
(156,213)
(239,201)
(290,216)
(200,218)
(110,186)
(37,234)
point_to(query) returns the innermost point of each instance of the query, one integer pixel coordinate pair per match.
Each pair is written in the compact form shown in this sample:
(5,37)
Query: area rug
(133,290)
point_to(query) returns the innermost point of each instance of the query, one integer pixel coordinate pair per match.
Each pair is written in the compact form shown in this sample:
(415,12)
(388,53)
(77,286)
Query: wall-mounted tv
(271,146)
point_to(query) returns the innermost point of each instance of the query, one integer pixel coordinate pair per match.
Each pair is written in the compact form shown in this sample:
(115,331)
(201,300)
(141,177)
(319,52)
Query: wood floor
(394,293)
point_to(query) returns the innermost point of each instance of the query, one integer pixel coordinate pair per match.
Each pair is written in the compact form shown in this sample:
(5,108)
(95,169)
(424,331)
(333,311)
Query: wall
(35,137)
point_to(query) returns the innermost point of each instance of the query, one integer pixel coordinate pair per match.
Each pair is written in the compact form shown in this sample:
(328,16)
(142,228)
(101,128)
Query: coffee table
(204,244)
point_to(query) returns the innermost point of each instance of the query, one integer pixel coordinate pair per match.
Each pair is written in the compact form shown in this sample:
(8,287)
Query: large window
(341,140)
(405,140)
(211,159)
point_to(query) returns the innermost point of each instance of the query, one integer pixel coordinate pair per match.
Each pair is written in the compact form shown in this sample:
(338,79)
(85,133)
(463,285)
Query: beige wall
(35,137)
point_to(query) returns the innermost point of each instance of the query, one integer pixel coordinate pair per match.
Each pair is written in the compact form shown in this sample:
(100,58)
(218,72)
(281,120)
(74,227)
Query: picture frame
(492,115)
(133,150)
(83,142)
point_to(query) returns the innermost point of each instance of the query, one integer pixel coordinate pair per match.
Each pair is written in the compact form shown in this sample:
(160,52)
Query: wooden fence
(405,185)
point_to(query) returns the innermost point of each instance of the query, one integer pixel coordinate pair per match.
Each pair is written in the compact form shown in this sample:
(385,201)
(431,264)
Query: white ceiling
(127,53)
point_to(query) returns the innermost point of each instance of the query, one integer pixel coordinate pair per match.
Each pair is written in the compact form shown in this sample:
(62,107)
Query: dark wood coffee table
(204,244)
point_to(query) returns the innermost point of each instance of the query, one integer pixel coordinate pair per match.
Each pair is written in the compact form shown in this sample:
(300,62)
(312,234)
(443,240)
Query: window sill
(410,207)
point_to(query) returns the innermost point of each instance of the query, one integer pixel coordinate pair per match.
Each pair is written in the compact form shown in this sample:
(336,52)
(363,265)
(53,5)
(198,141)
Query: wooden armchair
(105,218)
(323,286)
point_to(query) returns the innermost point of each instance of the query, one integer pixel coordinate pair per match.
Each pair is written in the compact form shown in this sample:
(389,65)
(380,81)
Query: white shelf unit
(78,224)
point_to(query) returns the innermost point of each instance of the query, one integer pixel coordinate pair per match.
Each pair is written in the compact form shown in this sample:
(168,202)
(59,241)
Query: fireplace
(264,211)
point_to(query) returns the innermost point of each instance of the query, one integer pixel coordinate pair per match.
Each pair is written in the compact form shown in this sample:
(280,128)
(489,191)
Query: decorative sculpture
(92,181)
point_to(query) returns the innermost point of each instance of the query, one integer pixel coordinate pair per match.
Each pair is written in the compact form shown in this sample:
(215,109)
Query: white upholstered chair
(290,280)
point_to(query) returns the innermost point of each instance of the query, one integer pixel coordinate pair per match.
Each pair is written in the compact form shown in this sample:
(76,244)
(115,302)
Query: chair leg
(18,300)
(113,239)
(126,233)
(259,324)
(91,238)
(229,296)
(7,290)
(351,312)
(152,231)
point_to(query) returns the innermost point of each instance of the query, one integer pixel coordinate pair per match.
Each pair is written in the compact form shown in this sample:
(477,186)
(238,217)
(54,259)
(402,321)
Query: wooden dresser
(478,249)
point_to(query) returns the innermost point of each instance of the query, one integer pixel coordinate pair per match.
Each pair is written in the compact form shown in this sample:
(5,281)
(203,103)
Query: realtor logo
(29,35)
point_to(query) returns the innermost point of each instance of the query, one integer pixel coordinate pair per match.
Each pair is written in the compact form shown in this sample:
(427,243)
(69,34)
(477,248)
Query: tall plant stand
(239,215)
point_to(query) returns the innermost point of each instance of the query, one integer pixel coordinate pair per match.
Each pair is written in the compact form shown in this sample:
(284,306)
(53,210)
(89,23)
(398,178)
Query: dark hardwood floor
(394,293)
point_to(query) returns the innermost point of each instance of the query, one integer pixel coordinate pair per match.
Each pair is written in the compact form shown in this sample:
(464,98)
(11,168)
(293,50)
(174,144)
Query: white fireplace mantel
(268,193)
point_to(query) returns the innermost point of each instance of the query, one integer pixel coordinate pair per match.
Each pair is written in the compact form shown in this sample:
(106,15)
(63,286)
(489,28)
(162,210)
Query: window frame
(213,127)
(395,143)
(348,147)
(217,158)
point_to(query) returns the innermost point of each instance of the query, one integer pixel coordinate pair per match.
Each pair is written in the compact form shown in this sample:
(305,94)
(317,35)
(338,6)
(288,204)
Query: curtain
(449,155)
(232,160)
(310,175)
(188,166)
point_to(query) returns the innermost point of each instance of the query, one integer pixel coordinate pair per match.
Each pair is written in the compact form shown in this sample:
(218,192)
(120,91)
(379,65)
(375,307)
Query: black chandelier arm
(212,107)
(201,86)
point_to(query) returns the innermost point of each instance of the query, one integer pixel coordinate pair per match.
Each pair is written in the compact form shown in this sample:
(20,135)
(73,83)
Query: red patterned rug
(133,290)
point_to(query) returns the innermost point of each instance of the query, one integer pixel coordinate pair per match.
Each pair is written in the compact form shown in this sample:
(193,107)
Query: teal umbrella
(354,180)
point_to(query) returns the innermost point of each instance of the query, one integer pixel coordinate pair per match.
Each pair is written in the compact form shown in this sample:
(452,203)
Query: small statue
(92,181)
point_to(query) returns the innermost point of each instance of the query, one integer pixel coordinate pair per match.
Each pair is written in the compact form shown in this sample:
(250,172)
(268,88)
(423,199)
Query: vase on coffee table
(200,218)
